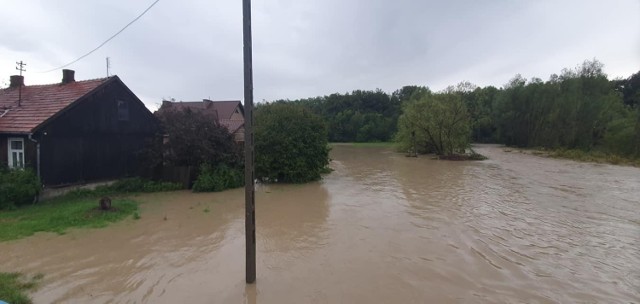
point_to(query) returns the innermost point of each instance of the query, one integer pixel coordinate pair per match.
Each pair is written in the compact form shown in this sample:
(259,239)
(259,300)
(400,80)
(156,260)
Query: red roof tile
(225,108)
(193,105)
(39,103)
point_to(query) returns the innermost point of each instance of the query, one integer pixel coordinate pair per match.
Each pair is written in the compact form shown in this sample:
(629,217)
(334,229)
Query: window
(16,152)
(123,110)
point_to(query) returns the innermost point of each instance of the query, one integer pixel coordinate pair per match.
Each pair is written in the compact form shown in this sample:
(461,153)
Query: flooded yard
(382,228)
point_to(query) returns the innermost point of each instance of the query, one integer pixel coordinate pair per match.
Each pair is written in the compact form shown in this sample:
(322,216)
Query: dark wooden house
(74,131)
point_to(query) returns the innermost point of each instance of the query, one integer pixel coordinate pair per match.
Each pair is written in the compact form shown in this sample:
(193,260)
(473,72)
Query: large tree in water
(437,123)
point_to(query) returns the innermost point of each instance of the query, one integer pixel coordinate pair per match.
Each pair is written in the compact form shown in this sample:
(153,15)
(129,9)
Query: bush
(18,187)
(218,179)
(291,144)
(137,184)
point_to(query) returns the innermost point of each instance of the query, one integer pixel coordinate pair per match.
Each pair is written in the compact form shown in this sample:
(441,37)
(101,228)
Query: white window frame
(10,152)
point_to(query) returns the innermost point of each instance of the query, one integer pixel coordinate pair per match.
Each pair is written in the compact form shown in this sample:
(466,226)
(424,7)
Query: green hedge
(18,187)
(218,179)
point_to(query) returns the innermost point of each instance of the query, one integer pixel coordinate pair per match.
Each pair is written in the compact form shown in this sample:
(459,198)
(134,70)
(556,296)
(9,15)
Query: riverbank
(78,209)
(60,214)
(579,155)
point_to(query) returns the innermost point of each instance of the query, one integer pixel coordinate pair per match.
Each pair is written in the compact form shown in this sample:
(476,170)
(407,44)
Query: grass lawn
(60,214)
(14,287)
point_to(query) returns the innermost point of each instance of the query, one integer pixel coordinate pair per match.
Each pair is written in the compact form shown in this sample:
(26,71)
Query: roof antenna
(20,67)
(108,66)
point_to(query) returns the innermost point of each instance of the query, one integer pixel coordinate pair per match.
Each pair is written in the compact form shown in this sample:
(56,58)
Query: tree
(438,123)
(291,143)
(191,138)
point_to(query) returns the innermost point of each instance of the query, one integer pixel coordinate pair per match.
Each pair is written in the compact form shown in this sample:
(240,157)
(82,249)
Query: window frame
(122,110)
(10,151)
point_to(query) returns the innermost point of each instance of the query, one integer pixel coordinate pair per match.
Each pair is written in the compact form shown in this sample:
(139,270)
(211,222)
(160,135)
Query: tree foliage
(290,143)
(191,138)
(437,123)
(359,116)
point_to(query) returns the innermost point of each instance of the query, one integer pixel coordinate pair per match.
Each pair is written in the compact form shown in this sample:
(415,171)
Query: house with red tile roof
(228,113)
(74,131)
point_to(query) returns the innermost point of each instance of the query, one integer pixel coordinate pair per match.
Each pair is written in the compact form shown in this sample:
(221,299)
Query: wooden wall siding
(239,135)
(89,142)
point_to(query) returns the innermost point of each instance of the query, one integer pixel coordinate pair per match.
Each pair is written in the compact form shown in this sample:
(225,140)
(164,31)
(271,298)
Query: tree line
(579,108)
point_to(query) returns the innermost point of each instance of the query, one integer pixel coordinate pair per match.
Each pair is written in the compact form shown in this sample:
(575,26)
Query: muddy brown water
(382,228)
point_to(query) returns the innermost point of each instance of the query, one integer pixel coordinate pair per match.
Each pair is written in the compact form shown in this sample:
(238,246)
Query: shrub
(290,142)
(137,184)
(218,179)
(18,187)
(127,185)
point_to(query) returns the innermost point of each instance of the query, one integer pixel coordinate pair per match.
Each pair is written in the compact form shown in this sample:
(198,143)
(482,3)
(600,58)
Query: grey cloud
(193,49)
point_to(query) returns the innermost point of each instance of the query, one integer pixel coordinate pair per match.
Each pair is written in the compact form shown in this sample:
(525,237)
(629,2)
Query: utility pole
(20,67)
(249,180)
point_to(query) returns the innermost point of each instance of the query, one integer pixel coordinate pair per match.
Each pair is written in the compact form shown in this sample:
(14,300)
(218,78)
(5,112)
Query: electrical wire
(106,41)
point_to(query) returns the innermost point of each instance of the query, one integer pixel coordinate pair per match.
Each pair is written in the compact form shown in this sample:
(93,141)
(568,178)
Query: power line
(106,41)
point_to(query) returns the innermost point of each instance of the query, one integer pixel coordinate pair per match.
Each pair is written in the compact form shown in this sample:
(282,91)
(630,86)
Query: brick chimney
(207,103)
(16,81)
(68,76)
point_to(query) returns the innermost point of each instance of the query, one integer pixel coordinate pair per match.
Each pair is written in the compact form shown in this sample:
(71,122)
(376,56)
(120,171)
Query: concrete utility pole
(249,180)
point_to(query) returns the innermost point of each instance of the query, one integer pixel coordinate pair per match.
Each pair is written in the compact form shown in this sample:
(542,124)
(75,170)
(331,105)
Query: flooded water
(382,228)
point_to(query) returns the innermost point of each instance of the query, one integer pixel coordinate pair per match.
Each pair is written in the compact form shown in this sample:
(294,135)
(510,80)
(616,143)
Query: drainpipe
(37,153)
(37,198)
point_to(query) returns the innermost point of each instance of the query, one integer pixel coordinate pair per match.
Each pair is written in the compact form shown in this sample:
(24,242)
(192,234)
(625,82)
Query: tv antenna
(20,67)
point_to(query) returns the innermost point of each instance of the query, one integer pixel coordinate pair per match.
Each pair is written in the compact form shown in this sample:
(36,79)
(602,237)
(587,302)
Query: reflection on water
(382,228)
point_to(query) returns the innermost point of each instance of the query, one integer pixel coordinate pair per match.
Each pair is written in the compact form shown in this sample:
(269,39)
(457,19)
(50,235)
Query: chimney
(207,103)
(16,81)
(166,103)
(68,76)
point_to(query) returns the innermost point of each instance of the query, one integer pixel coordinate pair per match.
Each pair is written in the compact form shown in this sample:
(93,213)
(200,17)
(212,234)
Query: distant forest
(580,108)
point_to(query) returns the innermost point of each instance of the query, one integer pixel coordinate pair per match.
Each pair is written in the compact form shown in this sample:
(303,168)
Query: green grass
(14,287)
(60,214)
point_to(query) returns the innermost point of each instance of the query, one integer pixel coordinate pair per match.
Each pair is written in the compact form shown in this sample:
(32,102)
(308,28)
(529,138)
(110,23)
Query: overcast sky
(190,50)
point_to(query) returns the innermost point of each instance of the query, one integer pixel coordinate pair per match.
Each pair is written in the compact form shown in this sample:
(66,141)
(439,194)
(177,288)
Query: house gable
(228,113)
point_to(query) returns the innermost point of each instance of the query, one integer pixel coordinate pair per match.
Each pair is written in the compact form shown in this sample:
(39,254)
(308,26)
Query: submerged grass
(14,287)
(583,156)
(60,214)
(595,156)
